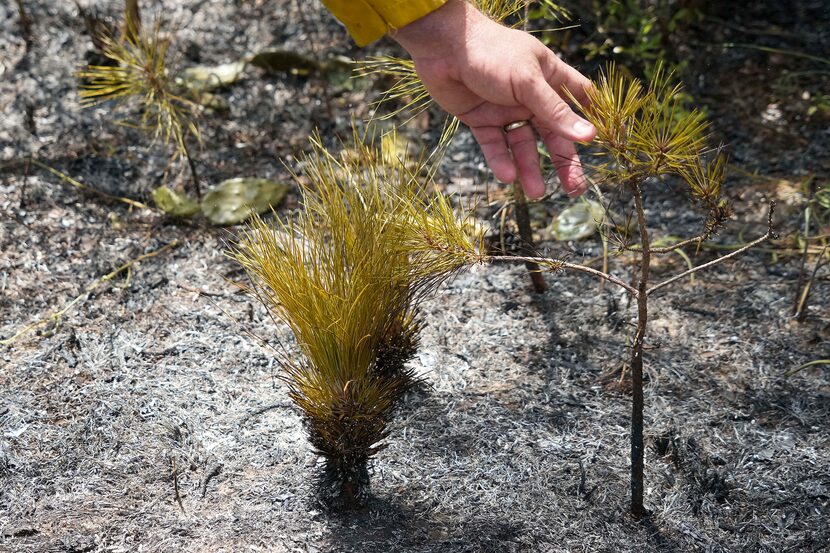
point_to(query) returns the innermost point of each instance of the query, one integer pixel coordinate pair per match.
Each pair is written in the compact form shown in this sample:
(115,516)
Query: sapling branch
(769,234)
(554,264)
(669,249)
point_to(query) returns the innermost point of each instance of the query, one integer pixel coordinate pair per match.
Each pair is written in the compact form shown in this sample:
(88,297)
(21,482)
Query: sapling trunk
(637,446)
(345,483)
(193,173)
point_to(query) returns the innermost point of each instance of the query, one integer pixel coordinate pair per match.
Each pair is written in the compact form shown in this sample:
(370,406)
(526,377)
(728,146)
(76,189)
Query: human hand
(488,76)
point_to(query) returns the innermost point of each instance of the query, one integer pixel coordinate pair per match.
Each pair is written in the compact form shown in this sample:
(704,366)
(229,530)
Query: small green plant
(342,276)
(639,33)
(139,76)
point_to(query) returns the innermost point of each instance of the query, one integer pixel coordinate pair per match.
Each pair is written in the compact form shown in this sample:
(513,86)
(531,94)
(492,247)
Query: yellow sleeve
(368,20)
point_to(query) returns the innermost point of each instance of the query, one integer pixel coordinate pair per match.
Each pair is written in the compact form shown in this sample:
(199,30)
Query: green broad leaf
(234,200)
(284,61)
(578,221)
(210,77)
(174,203)
(339,71)
(212,102)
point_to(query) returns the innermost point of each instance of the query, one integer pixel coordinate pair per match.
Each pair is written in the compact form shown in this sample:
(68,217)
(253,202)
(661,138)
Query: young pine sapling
(644,135)
(139,75)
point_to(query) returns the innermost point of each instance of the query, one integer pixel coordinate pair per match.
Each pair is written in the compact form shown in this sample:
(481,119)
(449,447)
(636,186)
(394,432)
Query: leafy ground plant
(341,276)
(644,136)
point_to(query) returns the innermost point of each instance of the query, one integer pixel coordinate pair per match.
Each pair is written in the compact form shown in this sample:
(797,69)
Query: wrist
(439,32)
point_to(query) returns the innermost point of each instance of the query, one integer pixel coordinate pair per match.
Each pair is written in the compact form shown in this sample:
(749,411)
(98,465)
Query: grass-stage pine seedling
(644,135)
(342,277)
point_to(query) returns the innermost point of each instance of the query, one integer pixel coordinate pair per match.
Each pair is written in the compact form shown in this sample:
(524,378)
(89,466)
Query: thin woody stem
(57,315)
(770,234)
(195,175)
(637,399)
(668,249)
(526,234)
(560,264)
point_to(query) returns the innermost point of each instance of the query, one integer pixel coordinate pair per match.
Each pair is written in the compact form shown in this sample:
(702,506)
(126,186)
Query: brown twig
(557,264)
(526,234)
(214,470)
(56,316)
(81,186)
(258,412)
(175,476)
(669,249)
(801,311)
(770,234)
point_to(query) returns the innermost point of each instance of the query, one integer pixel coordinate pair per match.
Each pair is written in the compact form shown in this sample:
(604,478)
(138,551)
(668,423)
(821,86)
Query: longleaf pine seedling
(139,76)
(342,276)
(644,135)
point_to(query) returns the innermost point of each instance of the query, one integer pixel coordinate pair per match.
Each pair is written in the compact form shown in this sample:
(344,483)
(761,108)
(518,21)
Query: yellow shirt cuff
(368,20)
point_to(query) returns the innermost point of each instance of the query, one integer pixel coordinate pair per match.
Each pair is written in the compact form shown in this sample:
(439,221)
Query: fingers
(564,157)
(551,113)
(514,155)
(494,147)
(562,76)
(522,143)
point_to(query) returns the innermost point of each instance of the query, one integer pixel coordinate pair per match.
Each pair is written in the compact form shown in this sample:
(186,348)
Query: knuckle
(552,67)
(560,111)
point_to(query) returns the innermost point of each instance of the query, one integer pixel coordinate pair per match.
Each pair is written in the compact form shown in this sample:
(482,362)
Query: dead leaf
(174,203)
(234,200)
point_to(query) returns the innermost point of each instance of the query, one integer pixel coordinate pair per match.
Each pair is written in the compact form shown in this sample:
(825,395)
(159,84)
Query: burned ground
(152,385)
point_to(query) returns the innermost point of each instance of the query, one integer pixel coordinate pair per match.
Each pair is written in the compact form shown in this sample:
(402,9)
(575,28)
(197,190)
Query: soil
(152,418)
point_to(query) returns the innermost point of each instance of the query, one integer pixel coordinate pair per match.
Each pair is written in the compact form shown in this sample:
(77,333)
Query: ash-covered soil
(152,420)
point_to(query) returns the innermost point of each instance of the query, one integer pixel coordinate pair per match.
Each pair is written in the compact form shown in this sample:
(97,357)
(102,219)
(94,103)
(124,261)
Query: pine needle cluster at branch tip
(347,275)
(644,131)
(139,75)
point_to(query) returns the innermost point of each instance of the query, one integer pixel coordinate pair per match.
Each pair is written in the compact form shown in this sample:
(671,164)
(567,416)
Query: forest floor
(150,420)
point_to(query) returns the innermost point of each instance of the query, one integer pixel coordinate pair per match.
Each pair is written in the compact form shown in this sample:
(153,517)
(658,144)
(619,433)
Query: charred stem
(526,233)
(637,447)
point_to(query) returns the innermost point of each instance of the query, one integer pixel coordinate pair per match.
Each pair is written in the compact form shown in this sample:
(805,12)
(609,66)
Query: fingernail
(583,127)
